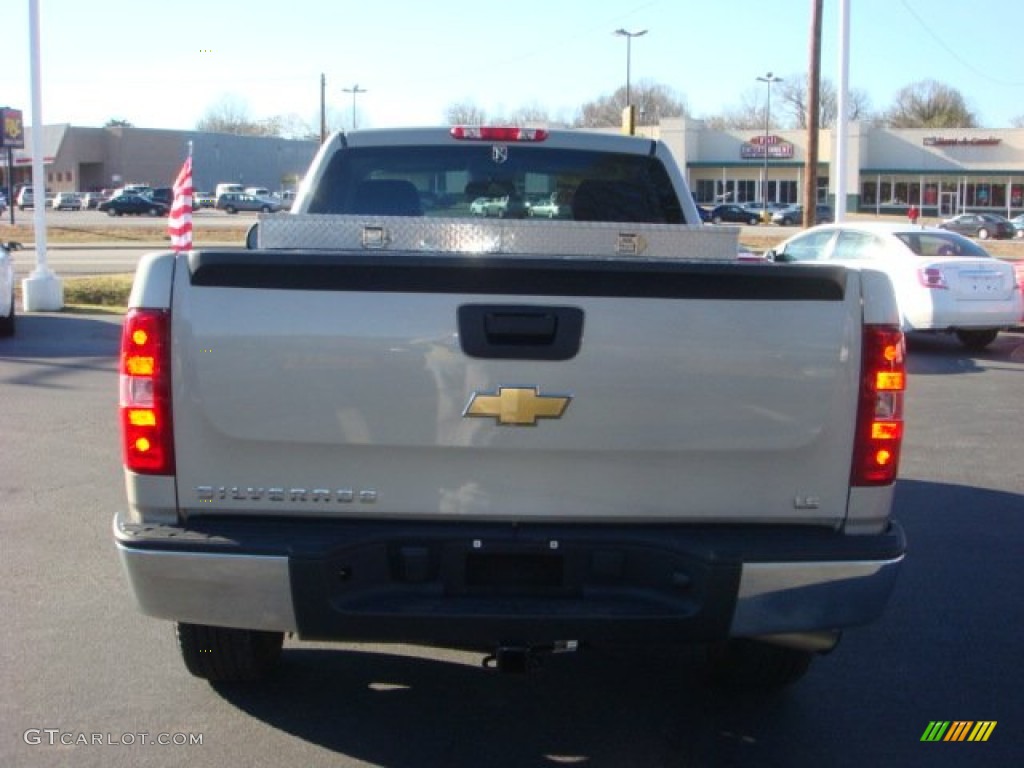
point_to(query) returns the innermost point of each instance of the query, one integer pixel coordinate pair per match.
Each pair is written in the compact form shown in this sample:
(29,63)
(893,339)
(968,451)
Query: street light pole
(323,108)
(355,90)
(768,78)
(629,56)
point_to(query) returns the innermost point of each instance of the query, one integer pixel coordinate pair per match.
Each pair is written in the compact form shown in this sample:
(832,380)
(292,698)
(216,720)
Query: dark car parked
(165,195)
(980,225)
(736,214)
(132,204)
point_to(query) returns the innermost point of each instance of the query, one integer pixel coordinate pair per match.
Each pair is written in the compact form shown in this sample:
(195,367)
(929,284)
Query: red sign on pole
(12,129)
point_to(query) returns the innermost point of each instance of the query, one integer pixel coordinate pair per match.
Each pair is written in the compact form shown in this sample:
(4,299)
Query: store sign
(777,148)
(26,160)
(941,141)
(13,128)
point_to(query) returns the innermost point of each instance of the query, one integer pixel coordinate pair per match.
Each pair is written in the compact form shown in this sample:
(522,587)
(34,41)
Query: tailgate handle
(520,327)
(520,332)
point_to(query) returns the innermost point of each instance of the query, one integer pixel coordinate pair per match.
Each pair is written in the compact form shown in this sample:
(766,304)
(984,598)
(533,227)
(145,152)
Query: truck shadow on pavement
(597,707)
(64,334)
(47,347)
(651,706)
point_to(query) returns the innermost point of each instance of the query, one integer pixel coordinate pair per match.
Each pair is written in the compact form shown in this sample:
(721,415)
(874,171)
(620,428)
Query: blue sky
(163,65)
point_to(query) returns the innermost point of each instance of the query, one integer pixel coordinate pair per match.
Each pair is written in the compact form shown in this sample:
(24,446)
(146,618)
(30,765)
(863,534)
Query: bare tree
(289,126)
(792,94)
(747,115)
(465,113)
(1017,122)
(929,104)
(529,114)
(116,122)
(231,115)
(653,101)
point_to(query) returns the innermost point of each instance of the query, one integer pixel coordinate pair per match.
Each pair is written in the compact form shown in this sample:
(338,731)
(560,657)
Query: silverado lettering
(207,493)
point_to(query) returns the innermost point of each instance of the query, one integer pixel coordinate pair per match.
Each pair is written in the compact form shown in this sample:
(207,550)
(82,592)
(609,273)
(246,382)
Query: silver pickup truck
(391,420)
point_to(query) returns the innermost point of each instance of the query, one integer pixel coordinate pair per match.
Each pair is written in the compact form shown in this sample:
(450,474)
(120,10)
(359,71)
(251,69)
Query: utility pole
(813,118)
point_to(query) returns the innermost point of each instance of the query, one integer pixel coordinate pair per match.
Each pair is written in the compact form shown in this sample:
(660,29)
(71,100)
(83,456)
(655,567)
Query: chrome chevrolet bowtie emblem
(517,406)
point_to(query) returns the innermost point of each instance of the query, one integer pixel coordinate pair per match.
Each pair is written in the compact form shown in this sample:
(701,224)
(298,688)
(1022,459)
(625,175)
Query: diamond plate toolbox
(327,232)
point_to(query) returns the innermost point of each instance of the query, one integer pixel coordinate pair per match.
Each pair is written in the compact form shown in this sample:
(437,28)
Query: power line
(952,52)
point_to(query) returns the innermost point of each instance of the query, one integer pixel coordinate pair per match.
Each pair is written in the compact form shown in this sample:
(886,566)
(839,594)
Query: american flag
(179,224)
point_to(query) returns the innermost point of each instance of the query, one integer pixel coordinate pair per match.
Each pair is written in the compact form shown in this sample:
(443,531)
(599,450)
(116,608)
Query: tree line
(923,104)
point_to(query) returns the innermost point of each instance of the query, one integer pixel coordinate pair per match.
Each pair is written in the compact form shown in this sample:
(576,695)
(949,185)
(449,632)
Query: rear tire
(977,340)
(983,234)
(224,655)
(741,664)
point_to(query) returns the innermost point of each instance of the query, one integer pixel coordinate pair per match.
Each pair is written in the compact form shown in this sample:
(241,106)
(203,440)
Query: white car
(67,201)
(943,281)
(7,289)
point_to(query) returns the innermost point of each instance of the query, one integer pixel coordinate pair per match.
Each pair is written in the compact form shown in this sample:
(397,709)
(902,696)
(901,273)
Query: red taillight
(876,450)
(932,277)
(497,133)
(145,393)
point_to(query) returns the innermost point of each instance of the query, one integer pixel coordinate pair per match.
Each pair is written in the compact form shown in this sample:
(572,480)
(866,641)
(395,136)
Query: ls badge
(517,406)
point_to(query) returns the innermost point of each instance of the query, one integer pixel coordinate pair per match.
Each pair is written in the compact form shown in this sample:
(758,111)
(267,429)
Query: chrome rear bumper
(615,582)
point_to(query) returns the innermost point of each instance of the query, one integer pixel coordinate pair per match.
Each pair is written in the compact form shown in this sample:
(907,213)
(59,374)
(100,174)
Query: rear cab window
(476,180)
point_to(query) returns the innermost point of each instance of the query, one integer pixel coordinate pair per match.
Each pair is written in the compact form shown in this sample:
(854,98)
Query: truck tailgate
(332,385)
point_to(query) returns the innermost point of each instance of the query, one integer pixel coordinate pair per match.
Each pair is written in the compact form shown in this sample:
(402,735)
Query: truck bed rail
(497,236)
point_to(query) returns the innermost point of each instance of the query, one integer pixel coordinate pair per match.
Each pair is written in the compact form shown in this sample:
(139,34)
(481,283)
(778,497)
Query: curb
(133,246)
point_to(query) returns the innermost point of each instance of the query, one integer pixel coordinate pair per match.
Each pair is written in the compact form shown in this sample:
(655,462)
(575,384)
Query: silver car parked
(233,202)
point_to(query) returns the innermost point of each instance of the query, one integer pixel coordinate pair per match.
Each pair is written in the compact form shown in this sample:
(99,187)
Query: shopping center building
(80,159)
(941,171)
